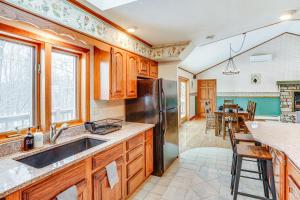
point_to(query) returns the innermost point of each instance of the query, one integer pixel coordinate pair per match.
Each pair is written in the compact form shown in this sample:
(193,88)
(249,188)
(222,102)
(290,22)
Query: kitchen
(96,105)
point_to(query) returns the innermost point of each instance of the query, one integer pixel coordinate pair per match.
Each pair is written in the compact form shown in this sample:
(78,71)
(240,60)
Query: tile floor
(192,134)
(202,170)
(199,173)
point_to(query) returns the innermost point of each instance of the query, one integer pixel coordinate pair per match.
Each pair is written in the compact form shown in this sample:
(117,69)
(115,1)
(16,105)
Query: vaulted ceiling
(171,21)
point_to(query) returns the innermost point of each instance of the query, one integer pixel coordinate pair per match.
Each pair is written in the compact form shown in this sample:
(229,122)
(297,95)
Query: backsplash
(17,145)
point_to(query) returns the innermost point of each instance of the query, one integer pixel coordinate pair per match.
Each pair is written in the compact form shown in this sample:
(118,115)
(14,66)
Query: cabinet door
(279,172)
(144,67)
(149,153)
(131,81)
(293,189)
(153,69)
(102,190)
(118,74)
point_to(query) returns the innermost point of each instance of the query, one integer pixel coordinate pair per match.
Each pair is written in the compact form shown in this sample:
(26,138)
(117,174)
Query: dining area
(229,112)
(272,146)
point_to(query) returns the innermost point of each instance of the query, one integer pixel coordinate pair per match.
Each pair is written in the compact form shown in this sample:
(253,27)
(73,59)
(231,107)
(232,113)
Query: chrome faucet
(55,134)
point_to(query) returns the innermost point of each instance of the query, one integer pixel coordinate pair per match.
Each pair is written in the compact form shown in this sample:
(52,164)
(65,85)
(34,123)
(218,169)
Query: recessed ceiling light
(287,15)
(131,29)
(108,4)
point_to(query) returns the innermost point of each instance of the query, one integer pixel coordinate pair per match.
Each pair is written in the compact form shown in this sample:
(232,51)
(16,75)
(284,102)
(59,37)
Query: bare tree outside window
(63,87)
(16,85)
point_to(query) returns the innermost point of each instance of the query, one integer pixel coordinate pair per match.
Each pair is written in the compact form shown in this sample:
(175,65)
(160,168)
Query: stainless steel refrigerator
(157,104)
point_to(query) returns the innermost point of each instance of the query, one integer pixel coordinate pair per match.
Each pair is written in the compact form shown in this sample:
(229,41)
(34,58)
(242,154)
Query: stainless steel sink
(56,154)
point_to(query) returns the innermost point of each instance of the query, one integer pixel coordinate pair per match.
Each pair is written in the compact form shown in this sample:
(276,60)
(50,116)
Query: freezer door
(170,92)
(145,108)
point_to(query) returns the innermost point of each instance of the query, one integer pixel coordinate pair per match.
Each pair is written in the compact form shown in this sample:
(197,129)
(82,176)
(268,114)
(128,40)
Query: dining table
(219,119)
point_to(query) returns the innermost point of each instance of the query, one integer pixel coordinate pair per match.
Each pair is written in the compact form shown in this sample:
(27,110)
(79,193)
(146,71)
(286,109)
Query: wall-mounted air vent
(261,58)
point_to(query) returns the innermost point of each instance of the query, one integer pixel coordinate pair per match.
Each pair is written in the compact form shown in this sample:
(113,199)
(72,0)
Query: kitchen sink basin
(56,154)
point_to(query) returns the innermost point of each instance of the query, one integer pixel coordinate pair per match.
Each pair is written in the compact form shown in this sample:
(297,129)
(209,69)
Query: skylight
(108,4)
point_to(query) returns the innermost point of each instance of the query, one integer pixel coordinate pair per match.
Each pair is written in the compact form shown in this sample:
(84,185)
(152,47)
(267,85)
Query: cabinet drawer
(134,153)
(135,182)
(137,140)
(103,158)
(135,166)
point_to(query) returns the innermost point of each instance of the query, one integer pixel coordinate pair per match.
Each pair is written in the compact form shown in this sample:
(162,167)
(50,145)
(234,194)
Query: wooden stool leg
(237,177)
(271,178)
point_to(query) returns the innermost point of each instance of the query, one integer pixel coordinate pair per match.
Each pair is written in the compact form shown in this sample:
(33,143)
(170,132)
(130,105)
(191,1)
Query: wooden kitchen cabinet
(118,74)
(153,71)
(292,182)
(101,187)
(148,152)
(131,78)
(279,167)
(51,187)
(144,67)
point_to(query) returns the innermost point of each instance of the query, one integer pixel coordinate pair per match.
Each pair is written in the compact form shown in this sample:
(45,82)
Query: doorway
(183,99)
(206,92)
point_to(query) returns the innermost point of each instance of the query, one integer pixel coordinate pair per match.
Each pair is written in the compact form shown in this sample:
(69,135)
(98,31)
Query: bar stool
(265,158)
(236,138)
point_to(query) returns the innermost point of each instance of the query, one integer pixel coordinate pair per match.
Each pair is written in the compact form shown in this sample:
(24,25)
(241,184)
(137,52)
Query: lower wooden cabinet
(134,159)
(51,187)
(101,187)
(292,182)
(279,167)
(148,152)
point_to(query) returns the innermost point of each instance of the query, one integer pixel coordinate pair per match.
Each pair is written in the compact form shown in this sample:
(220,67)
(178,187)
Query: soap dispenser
(28,141)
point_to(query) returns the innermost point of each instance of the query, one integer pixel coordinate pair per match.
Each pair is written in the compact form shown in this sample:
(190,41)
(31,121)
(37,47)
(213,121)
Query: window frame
(78,119)
(36,120)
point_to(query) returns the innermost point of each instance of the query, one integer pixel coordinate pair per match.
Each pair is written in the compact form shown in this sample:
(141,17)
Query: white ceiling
(205,56)
(171,21)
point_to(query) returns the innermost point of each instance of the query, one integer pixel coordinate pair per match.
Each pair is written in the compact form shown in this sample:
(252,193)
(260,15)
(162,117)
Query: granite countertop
(284,137)
(15,175)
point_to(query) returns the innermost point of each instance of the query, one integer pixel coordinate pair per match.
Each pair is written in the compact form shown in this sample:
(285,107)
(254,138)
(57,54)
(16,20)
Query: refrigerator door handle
(165,124)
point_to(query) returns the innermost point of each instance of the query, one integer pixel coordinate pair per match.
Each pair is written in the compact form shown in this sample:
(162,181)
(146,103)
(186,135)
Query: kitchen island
(284,142)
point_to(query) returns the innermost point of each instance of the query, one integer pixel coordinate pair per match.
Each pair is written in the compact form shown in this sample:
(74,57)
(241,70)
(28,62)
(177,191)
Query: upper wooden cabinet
(118,74)
(144,67)
(131,79)
(153,69)
(115,74)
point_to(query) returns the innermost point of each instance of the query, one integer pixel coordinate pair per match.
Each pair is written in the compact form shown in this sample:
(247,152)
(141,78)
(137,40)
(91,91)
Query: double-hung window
(64,87)
(17,85)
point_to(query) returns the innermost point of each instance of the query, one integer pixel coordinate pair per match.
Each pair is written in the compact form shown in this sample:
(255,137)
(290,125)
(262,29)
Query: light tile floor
(202,170)
(192,134)
(199,173)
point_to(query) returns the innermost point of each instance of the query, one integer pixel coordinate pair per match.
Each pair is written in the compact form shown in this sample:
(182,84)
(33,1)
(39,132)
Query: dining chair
(230,115)
(228,101)
(210,117)
(252,111)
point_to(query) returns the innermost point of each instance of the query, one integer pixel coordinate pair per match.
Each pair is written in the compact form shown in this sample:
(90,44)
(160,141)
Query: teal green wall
(267,106)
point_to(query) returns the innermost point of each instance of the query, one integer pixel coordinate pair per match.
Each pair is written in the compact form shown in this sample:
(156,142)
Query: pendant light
(231,68)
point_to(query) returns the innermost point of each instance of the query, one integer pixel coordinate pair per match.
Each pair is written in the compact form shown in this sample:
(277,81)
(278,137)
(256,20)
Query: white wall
(170,71)
(284,66)
(192,90)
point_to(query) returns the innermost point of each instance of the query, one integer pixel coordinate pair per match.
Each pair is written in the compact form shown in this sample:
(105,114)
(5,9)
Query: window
(17,85)
(64,87)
